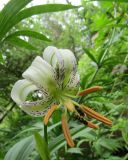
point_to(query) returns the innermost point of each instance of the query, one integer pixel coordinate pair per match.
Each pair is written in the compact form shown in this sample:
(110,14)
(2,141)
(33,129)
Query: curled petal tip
(90,90)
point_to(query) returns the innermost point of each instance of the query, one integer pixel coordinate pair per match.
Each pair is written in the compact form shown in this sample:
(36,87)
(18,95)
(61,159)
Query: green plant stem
(94,75)
(7,112)
(111,39)
(45,134)
(126,58)
(101,60)
(109,44)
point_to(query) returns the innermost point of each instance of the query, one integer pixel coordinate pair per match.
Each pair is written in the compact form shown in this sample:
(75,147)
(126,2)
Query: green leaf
(106,143)
(17,150)
(34,11)
(101,53)
(90,55)
(75,150)
(8,12)
(20,43)
(42,147)
(38,126)
(29,33)
(21,150)
(1,58)
(42,9)
(115,158)
(111,144)
(58,142)
(84,80)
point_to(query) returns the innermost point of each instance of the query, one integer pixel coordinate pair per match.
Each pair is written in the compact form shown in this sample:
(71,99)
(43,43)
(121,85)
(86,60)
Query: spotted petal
(36,108)
(74,81)
(69,64)
(64,62)
(19,94)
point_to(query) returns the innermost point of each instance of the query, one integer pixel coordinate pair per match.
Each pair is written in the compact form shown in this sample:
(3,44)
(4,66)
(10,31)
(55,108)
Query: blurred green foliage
(97,34)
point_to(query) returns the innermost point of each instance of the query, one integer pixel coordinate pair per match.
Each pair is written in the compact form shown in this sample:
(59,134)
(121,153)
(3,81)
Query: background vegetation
(97,34)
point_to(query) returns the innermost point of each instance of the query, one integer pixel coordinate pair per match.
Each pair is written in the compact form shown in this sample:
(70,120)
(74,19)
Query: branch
(7,112)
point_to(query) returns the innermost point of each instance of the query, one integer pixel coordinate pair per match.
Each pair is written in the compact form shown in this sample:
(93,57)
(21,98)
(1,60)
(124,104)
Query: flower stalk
(45,134)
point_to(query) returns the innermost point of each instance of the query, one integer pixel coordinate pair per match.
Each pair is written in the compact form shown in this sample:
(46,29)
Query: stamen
(70,106)
(66,131)
(88,123)
(75,103)
(96,115)
(92,125)
(70,96)
(90,90)
(49,114)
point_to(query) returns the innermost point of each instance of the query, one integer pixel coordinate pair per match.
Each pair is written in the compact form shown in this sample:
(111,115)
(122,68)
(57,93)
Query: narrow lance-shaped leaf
(21,150)
(100,55)
(34,11)
(10,11)
(20,43)
(42,9)
(90,55)
(42,147)
(29,33)
(21,147)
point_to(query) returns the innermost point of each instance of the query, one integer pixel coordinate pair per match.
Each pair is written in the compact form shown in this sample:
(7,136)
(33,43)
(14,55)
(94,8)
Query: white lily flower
(53,76)
(54,79)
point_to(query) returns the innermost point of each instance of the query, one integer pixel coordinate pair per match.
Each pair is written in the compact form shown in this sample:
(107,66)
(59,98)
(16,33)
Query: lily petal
(74,81)
(63,61)
(19,93)
(36,108)
(52,56)
(69,65)
(21,89)
(49,54)
(40,73)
